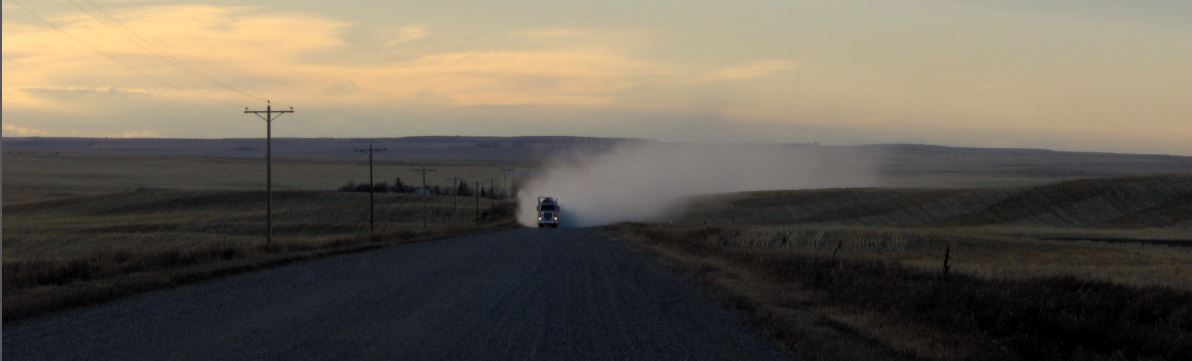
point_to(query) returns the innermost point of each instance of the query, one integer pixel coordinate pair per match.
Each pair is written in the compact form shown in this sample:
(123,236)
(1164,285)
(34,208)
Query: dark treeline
(398,187)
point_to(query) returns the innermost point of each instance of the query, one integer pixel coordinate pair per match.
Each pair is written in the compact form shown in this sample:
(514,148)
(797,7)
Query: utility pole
(492,193)
(477,202)
(371,186)
(454,193)
(428,193)
(269,116)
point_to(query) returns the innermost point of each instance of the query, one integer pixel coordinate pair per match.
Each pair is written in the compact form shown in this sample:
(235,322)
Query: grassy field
(1108,203)
(850,308)
(984,252)
(35,176)
(1135,231)
(61,205)
(77,250)
(84,228)
(159,219)
(1078,270)
(841,274)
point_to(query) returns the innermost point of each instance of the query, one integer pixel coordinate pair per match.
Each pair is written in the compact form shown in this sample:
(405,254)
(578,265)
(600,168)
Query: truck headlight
(556,218)
(540,218)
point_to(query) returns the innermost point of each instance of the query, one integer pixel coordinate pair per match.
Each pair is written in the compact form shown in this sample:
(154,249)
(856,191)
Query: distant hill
(508,150)
(898,165)
(919,158)
(1132,202)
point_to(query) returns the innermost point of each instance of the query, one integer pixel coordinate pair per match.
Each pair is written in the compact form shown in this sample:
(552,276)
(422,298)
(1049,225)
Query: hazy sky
(1083,75)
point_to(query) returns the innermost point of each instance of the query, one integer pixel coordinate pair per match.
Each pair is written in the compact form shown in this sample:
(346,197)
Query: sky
(1094,75)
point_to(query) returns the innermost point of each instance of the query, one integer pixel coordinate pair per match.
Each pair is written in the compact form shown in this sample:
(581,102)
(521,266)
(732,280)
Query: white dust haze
(646,181)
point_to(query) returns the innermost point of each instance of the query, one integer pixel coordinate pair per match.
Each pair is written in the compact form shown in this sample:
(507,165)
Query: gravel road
(555,294)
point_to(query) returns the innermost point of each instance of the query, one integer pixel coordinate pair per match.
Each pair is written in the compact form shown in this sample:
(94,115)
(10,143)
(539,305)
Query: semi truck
(548,212)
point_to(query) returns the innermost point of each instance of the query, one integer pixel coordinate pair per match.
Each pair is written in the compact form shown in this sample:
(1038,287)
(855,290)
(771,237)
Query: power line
(477,204)
(455,182)
(309,128)
(117,61)
(314,127)
(371,186)
(132,36)
(492,195)
(107,20)
(424,169)
(269,117)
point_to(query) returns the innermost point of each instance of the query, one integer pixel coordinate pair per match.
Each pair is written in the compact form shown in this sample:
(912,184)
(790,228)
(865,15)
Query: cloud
(15,130)
(751,70)
(405,34)
(549,33)
(85,90)
(259,55)
(230,44)
(559,77)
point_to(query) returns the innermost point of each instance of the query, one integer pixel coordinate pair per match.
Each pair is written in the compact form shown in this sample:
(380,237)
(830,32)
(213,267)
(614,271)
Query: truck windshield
(547,208)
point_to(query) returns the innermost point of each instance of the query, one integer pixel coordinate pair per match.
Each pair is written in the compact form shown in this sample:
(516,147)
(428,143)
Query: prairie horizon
(23,142)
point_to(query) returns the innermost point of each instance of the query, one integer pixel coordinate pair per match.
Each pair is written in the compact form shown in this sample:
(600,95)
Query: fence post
(947,258)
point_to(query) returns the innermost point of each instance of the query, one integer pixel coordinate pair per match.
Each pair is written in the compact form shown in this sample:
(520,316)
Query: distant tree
(463,190)
(483,193)
(349,187)
(436,190)
(362,187)
(398,186)
(381,187)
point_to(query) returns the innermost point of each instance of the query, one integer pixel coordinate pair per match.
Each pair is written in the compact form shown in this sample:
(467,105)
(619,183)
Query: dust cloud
(647,181)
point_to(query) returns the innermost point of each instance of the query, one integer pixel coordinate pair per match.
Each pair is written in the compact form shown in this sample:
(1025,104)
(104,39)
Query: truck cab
(548,212)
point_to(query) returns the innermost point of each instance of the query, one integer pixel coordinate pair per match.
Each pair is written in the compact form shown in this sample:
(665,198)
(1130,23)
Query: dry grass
(1107,203)
(83,228)
(77,250)
(166,220)
(1078,270)
(981,252)
(1133,231)
(34,176)
(40,286)
(855,309)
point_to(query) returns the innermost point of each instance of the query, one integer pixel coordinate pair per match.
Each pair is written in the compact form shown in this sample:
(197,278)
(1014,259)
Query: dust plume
(646,181)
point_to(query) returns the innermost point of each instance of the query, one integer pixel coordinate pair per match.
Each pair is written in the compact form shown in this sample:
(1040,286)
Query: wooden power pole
(428,192)
(371,185)
(269,116)
(477,202)
(454,193)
